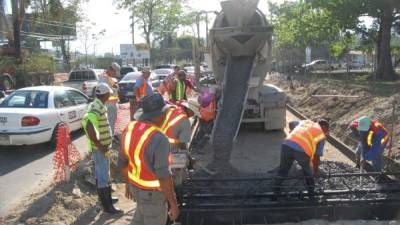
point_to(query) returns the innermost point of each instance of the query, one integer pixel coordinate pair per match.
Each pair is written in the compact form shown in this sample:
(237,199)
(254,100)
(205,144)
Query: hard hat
(364,123)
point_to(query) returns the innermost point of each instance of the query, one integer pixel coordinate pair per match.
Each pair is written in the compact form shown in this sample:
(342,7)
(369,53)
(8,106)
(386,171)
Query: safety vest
(375,126)
(173,117)
(134,143)
(97,114)
(208,113)
(307,135)
(143,88)
(180,90)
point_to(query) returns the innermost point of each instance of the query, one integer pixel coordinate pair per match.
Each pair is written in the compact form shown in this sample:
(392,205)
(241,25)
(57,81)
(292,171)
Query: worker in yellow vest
(98,132)
(145,154)
(178,89)
(304,144)
(110,78)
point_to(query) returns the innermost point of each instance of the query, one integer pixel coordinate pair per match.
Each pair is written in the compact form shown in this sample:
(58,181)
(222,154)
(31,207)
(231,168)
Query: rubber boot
(110,207)
(106,201)
(102,197)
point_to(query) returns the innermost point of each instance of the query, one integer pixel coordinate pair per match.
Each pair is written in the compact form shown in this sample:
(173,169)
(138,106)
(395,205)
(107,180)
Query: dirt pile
(304,96)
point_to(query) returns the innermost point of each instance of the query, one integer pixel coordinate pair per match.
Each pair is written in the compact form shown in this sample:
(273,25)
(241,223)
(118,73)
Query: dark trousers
(288,155)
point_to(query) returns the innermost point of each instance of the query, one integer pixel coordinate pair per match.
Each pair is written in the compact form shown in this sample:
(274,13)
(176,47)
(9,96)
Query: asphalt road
(27,170)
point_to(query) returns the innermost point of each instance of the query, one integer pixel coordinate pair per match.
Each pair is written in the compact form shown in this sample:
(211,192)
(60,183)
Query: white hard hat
(103,88)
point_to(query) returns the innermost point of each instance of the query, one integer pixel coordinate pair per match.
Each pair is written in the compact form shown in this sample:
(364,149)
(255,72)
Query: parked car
(161,74)
(127,84)
(355,65)
(127,69)
(318,65)
(31,115)
(84,80)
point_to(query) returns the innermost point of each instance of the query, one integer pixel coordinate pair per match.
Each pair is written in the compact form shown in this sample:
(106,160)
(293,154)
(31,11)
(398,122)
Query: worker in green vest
(98,131)
(179,87)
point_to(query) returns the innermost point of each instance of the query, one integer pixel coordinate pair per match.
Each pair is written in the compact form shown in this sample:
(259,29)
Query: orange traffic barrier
(66,155)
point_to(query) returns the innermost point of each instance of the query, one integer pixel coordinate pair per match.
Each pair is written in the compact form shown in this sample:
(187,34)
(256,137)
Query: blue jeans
(101,169)
(376,161)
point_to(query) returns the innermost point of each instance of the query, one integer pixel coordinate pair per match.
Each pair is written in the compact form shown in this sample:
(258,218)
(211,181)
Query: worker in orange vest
(110,78)
(177,128)
(305,144)
(177,125)
(145,153)
(208,112)
(143,88)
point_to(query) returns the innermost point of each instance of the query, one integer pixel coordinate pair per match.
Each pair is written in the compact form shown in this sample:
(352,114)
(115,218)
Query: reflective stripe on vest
(307,135)
(173,117)
(375,126)
(138,172)
(180,90)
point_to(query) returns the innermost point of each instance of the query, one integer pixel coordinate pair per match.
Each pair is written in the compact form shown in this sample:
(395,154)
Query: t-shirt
(140,82)
(156,156)
(182,132)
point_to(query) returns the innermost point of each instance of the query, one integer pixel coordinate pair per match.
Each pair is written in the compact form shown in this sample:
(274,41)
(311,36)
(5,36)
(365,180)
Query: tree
(18,8)
(158,18)
(57,19)
(298,26)
(386,14)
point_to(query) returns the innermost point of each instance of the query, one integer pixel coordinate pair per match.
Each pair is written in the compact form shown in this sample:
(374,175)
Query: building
(138,54)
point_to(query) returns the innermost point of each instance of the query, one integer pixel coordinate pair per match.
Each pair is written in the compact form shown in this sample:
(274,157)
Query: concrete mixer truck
(240,44)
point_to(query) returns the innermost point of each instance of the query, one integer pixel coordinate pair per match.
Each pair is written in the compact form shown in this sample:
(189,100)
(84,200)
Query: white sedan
(31,115)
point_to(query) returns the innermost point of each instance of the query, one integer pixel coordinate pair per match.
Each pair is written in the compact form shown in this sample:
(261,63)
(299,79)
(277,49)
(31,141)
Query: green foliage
(339,47)
(300,25)
(37,63)
(386,14)
(158,18)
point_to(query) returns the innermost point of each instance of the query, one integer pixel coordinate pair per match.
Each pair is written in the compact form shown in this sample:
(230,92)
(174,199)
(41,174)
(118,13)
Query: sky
(116,22)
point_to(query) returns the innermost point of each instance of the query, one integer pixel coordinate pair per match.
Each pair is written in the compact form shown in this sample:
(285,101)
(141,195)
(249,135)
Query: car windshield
(26,99)
(125,70)
(82,75)
(132,76)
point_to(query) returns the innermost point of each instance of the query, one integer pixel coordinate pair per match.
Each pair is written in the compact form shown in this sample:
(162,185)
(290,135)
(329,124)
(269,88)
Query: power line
(51,21)
(54,25)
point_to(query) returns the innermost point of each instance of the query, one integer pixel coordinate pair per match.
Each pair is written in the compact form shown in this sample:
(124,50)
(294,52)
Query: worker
(110,78)
(179,87)
(167,83)
(145,152)
(373,138)
(304,144)
(98,132)
(208,112)
(176,126)
(142,88)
